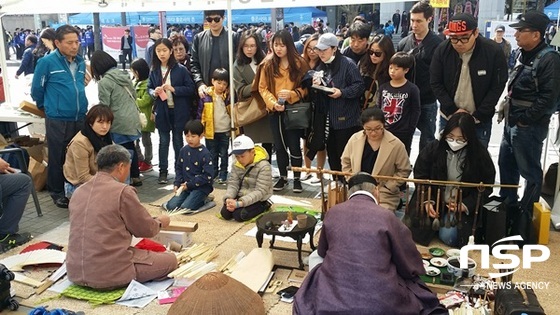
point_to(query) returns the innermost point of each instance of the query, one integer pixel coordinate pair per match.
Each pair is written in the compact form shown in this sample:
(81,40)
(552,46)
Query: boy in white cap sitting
(250,182)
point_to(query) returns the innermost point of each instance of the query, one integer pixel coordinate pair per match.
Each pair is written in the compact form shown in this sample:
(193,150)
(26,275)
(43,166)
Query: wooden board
(181,226)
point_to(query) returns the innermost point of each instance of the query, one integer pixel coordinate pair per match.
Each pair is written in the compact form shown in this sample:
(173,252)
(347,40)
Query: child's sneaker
(162,179)
(145,167)
(297,186)
(280,184)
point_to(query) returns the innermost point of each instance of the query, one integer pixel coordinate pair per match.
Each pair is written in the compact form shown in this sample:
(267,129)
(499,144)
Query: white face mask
(330,59)
(454,146)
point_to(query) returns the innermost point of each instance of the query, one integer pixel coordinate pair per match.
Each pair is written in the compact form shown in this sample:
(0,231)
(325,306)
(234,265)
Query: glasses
(463,40)
(215,19)
(376,53)
(526,30)
(249,46)
(376,129)
(459,141)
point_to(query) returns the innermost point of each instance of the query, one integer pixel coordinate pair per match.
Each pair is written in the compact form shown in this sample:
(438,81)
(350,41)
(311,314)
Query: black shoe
(61,202)
(14,240)
(297,186)
(136,182)
(162,179)
(280,184)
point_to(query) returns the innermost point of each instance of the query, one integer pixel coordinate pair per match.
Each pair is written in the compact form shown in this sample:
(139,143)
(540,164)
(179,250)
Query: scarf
(97,141)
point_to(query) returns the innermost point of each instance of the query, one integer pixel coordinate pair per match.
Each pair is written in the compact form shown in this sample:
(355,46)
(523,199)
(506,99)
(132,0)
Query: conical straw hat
(217,294)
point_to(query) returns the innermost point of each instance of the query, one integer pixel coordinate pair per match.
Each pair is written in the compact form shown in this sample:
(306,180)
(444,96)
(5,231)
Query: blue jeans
(483,130)
(164,140)
(218,147)
(15,189)
(189,199)
(427,123)
(520,154)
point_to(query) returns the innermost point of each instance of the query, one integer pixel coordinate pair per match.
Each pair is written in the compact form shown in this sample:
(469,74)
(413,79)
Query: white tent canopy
(89,6)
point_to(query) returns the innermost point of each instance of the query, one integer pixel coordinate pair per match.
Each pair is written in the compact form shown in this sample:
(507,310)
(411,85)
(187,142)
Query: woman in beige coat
(378,152)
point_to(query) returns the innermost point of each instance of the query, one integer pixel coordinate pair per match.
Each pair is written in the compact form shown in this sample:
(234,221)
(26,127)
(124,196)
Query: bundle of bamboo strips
(195,262)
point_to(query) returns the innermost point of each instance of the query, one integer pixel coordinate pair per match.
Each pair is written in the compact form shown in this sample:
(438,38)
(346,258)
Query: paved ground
(151,191)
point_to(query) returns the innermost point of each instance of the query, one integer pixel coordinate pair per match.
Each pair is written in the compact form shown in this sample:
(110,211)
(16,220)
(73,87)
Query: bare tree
(351,10)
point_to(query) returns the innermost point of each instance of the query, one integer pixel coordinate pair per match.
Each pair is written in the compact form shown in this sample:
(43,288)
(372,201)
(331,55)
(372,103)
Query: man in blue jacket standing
(27,65)
(59,88)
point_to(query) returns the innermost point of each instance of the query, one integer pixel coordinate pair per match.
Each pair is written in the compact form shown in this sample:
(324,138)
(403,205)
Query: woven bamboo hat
(217,294)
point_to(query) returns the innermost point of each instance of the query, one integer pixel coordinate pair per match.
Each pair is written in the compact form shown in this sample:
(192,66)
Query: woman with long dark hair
(374,68)
(80,165)
(171,85)
(45,44)
(249,56)
(116,90)
(279,86)
(458,156)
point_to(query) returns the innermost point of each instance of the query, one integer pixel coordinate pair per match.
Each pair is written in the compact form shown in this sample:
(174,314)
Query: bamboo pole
(402,179)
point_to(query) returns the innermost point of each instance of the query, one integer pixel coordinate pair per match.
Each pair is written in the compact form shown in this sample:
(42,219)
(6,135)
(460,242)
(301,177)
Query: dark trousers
(59,134)
(127,55)
(335,146)
(286,140)
(90,50)
(165,140)
(14,191)
(245,213)
(218,147)
(134,171)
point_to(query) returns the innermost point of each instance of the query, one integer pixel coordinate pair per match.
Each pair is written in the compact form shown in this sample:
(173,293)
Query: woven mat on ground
(230,239)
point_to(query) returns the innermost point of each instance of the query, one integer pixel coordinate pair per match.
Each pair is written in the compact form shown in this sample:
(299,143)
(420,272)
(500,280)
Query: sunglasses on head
(376,53)
(215,19)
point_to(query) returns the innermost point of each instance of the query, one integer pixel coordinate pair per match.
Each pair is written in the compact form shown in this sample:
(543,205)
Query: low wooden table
(296,233)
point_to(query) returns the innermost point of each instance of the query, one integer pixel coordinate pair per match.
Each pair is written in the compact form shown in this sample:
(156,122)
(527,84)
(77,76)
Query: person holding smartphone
(279,85)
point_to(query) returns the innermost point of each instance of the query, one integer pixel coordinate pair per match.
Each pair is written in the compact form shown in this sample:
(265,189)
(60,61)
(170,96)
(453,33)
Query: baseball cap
(242,144)
(500,28)
(327,40)
(460,24)
(533,20)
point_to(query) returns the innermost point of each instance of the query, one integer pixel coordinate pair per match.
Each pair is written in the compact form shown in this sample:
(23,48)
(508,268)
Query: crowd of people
(366,99)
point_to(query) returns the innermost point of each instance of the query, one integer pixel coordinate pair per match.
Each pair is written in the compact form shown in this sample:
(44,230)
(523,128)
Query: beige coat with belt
(392,160)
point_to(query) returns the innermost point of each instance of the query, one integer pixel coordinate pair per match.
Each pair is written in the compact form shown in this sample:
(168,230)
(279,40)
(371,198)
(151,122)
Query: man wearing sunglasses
(533,95)
(468,74)
(210,50)
(421,43)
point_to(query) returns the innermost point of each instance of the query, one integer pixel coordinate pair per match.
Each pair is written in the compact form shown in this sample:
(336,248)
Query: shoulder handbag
(298,115)
(248,111)
(141,115)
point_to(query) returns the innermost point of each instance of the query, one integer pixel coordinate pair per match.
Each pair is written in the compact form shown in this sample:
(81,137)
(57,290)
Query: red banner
(112,40)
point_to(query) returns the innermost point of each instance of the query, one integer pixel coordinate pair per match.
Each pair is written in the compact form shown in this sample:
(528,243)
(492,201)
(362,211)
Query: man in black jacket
(210,50)
(529,110)
(421,43)
(468,74)
(126,48)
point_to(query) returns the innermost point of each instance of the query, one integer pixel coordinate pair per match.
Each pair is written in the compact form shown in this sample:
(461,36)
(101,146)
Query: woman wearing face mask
(342,104)
(374,68)
(459,157)
(377,151)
